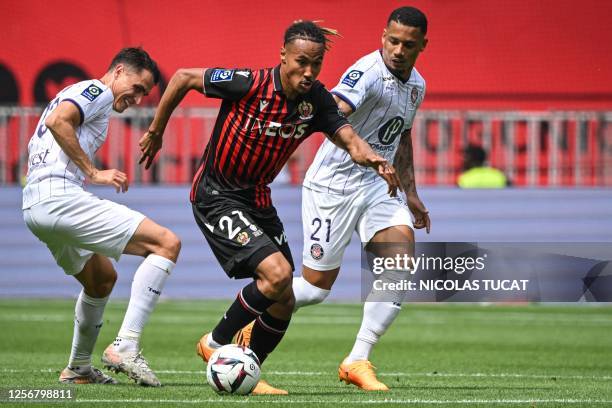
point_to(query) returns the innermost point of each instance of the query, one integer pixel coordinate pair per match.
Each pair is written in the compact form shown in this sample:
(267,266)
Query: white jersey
(383,108)
(50,170)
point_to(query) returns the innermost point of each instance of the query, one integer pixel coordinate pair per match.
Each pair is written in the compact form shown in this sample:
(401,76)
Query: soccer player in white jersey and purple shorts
(82,231)
(380,94)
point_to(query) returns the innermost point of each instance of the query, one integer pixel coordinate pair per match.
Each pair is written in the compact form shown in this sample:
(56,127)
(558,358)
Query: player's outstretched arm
(404,164)
(361,153)
(344,107)
(183,81)
(63,123)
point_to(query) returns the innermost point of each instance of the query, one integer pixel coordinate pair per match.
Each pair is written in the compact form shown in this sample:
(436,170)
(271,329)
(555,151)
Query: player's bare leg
(98,278)
(377,315)
(161,248)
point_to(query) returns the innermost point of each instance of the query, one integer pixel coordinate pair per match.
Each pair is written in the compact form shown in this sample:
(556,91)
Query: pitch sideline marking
(282,400)
(383,374)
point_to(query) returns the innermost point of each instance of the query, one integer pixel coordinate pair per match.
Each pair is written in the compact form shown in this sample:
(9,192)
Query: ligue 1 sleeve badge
(316,251)
(305,110)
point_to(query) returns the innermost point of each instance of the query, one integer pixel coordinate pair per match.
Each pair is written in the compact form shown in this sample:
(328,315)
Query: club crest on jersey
(305,110)
(352,77)
(414,94)
(221,75)
(243,238)
(316,251)
(91,92)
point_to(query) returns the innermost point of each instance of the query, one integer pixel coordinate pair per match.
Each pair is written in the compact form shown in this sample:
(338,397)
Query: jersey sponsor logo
(305,110)
(316,251)
(390,130)
(282,238)
(243,238)
(270,128)
(221,75)
(38,158)
(379,148)
(414,95)
(91,92)
(352,77)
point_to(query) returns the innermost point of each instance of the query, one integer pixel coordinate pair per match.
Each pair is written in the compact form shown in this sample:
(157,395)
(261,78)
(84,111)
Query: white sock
(211,342)
(147,286)
(87,323)
(379,311)
(377,317)
(306,293)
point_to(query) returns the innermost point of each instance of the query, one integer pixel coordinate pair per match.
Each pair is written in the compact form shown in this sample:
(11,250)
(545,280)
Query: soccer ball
(233,369)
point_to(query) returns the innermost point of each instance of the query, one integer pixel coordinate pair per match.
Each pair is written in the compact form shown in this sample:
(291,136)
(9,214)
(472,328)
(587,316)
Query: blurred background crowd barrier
(533,149)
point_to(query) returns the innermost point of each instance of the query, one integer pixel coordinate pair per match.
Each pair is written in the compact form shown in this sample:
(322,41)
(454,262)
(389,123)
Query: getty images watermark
(408,265)
(498,272)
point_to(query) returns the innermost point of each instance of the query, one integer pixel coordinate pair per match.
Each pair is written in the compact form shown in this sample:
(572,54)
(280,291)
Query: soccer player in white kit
(83,231)
(380,93)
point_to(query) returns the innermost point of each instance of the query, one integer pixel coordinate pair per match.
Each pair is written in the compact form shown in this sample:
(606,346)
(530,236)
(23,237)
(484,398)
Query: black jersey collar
(278,87)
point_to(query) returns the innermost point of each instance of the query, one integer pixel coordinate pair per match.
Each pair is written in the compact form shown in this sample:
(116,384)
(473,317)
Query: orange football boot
(203,349)
(243,337)
(361,373)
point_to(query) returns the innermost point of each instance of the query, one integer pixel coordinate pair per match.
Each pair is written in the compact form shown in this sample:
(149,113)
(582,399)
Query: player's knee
(104,287)
(281,280)
(278,278)
(170,245)
(107,287)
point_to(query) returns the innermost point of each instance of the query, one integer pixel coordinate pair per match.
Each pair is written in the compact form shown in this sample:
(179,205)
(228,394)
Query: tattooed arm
(404,165)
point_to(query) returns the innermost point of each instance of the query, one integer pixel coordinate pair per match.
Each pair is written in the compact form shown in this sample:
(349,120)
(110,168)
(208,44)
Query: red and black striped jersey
(256,131)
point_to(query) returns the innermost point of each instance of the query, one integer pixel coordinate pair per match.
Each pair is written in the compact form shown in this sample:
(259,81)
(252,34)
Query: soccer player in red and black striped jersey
(264,116)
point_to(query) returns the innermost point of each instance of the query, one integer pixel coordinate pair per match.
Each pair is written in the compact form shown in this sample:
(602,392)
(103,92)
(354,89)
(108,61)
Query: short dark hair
(138,59)
(409,16)
(475,154)
(310,31)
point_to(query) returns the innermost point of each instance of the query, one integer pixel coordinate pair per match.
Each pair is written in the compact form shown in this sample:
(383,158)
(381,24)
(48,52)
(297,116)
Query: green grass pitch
(434,355)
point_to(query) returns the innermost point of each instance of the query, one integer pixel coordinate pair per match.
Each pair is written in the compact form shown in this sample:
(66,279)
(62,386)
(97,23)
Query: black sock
(249,304)
(268,331)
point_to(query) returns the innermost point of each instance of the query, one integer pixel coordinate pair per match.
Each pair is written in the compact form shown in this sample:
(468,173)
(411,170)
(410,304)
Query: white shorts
(328,221)
(76,225)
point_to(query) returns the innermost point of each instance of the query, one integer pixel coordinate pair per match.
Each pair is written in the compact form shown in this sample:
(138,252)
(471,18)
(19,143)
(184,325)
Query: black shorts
(241,236)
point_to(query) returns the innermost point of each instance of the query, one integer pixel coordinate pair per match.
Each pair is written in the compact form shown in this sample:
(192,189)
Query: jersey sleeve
(88,99)
(411,112)
(230,84)
(422,96)
(328,118)
(355,84)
